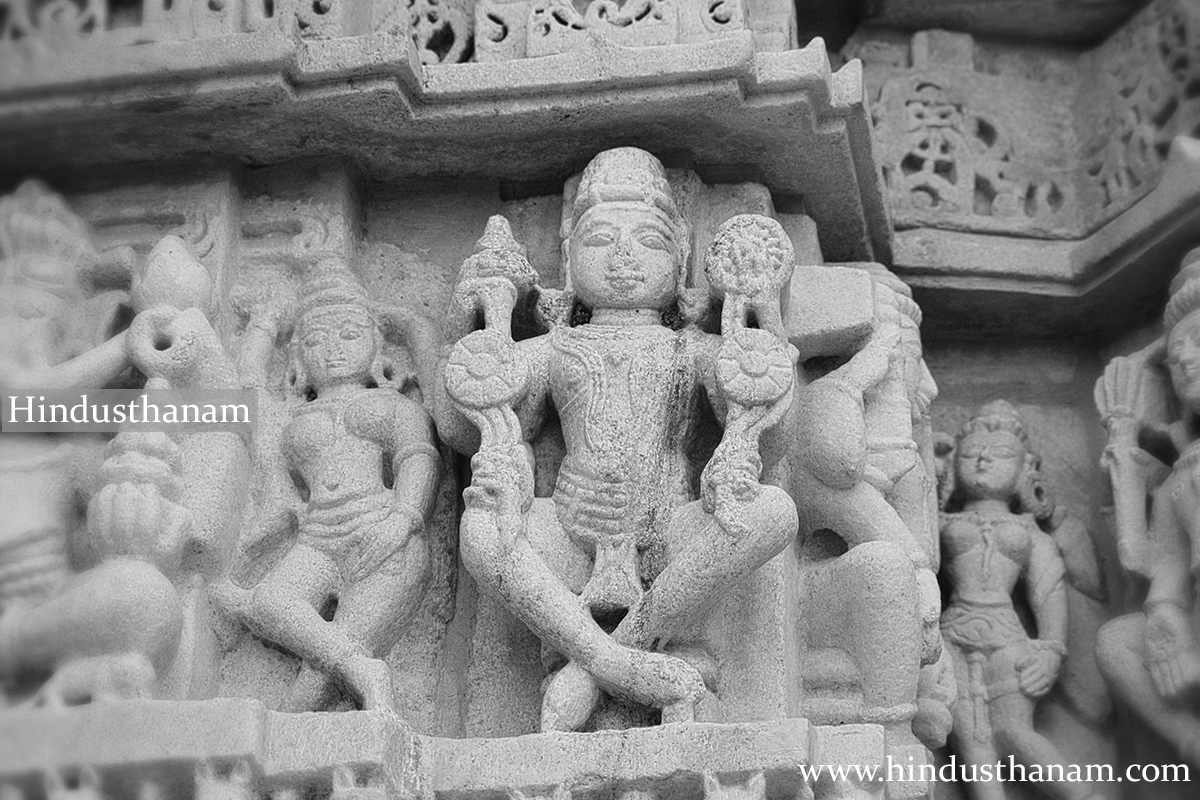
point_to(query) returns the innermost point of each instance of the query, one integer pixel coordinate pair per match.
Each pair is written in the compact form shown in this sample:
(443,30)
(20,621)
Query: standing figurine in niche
(1152,659)
(359,544)
(109,631)
(991,542)
(624,557)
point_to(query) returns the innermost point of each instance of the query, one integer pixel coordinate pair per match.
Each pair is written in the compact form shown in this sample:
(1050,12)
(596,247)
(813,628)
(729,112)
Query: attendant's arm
(415,460)
(1047,589)
(90,370)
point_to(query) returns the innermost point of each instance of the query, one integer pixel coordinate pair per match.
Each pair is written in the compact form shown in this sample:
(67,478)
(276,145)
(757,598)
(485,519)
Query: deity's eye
(352,333)
(600,237)
(314,338)
(1001,451)
(974,451)
(652,239)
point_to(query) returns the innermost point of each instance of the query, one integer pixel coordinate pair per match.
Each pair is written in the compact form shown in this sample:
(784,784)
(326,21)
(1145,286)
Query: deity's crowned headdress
(621,175)
(332,288)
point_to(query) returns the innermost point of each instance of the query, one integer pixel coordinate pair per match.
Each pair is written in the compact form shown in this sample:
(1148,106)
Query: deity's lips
(625,279)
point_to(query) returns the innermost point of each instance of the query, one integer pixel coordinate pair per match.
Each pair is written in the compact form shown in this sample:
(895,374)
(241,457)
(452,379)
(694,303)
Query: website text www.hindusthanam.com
(1010,771)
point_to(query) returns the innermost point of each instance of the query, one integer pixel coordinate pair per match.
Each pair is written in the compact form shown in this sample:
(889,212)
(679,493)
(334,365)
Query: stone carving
(519,28)
(70,23)
(992,539)
(969,143)
(57,21)
(442,29)
(575,568)
(1150,74)
(360,544)
(754,788)
(554,23)
(857,472)
(55,338)
(111,630)
(951,160)
(1152,659)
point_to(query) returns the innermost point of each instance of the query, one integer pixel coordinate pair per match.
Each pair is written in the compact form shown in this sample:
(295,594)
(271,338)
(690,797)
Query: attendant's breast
(971,536)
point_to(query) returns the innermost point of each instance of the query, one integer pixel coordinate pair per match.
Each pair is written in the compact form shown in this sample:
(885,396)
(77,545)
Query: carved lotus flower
(751,255)
(753,368)
(486,370)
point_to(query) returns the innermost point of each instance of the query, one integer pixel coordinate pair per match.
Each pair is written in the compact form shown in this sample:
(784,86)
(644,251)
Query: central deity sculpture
(614,570)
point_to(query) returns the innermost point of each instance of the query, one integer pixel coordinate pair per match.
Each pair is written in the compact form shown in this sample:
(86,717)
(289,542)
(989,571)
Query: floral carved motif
(949,159)
(1151,79)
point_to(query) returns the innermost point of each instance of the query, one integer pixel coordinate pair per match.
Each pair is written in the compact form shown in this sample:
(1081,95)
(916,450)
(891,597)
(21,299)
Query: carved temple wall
(1020,191)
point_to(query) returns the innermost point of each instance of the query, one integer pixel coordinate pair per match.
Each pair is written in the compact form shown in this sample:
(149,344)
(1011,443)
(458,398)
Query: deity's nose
(624,244)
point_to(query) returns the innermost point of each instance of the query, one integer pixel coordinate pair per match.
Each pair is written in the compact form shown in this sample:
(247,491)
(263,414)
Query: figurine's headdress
(332,289)
(998,415)
(1032,496)
(625,174)
(1185,291)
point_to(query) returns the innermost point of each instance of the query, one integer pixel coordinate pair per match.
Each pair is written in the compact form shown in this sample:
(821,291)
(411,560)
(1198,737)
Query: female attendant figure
(613,568)
(989,545)
(360,542)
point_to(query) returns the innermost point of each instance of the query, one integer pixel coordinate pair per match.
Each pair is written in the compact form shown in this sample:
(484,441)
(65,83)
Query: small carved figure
(992,540)
(612,569)
(359,543)
(110,631)
(1152,659)
(857,470)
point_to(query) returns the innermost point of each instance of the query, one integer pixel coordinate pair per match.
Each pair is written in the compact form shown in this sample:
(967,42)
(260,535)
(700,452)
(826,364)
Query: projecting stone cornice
(732,113)
(1100,284)
(1036,191)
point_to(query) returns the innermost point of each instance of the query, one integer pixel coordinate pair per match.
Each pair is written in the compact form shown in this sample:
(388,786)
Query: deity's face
(337,345)
(989,464)
(624,256)
(1183,360)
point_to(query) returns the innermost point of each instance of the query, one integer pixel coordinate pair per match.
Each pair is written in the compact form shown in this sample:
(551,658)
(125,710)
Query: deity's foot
(99,679)
(571,697)
(652,679)
(371,680)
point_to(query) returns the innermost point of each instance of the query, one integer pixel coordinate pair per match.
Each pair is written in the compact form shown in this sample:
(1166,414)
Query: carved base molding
(228,748)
